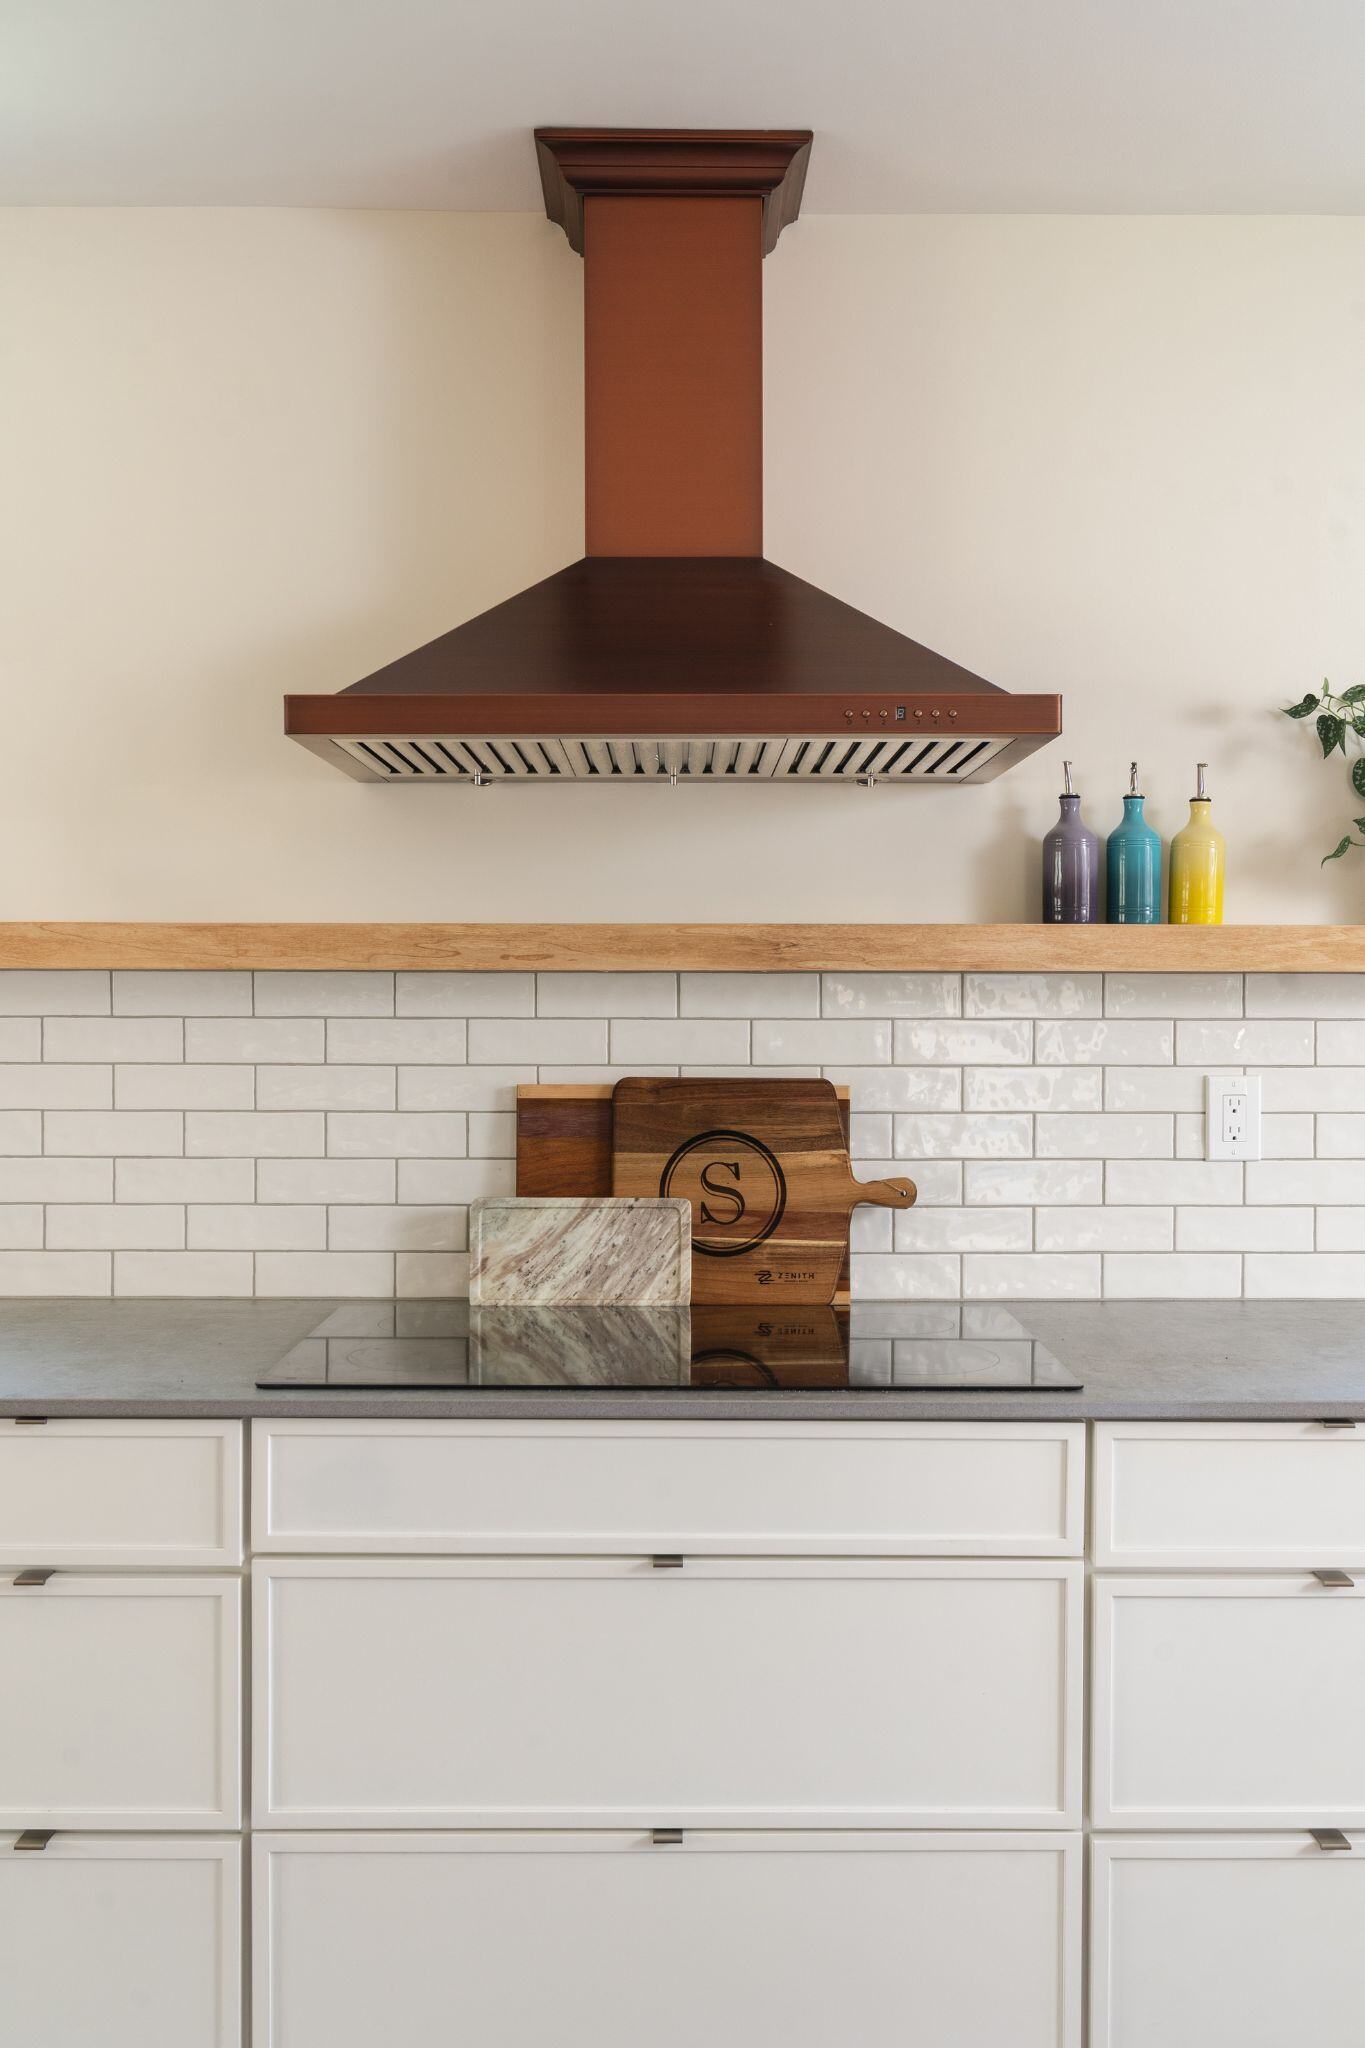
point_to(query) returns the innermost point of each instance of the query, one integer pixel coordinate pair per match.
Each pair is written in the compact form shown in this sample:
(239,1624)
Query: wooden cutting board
(765,1166)
(564,1141)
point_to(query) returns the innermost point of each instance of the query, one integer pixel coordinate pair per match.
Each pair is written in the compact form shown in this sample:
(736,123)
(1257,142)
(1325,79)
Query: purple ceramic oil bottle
(1071,864)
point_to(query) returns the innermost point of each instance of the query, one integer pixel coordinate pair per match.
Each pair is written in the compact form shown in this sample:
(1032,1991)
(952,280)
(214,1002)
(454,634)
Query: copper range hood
(673,652)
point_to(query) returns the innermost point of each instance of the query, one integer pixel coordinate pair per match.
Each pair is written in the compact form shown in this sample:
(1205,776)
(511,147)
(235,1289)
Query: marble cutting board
(601,1249)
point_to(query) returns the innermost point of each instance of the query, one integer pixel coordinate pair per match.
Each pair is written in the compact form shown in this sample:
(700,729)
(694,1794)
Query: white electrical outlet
(1232,1116)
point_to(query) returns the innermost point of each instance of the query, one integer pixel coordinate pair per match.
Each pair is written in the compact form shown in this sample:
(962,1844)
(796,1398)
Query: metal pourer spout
(1200,771)
(1067,789)
(1133,789)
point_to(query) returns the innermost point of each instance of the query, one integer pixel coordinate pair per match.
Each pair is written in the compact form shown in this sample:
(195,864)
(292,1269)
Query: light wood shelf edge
(889,948)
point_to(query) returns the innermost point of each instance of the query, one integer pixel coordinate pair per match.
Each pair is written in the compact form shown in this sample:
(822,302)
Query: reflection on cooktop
(871,1346)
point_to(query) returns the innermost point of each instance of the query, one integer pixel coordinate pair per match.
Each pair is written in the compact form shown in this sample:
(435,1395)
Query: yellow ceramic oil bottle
(1197,862)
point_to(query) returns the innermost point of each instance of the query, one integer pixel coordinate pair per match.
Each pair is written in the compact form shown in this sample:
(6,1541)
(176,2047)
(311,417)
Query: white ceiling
(918,105)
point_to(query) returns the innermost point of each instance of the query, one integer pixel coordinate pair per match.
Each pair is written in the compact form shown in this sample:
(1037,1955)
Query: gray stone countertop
(1178,1360)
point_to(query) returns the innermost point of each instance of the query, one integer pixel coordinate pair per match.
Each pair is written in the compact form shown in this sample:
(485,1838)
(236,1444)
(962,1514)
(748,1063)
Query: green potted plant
(1339,713)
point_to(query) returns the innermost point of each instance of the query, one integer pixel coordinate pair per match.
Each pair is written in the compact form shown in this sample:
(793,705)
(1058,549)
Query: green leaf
(1359,824)
(1337,851)
(1353,695)
(1310,703)
(1358,776)
(1332,733)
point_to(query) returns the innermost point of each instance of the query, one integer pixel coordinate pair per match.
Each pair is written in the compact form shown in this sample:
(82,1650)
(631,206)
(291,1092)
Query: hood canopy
(674,651)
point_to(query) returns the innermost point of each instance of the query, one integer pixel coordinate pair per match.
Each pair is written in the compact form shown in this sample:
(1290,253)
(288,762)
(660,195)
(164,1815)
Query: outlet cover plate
(1232,1116)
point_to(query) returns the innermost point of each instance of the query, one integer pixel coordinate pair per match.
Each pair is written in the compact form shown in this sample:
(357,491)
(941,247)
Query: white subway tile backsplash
(335,1126)
(466,995)
(325,994)
(319,1180)
(100,1039)
(1033,1088)
(182,1273)
(1173,1181)
(179,1087)
(1278,1276)
(1031,1276)
(50,1087)
(397,1041)
(1305,995)
(55,1272)
(255,1134)
(389,1228)
(1033,995)
(966,1042)
(350,1274)
(1105,1137)
(462,1088)
(181,994)
(430,1276)
(326,1087)
(566,1041)
(117,1226)
(1172,995)
(418,1135)
(1114,1229)
(888,995)
(748,995)
(1251,1043)
(136,1133)
(73,993)
(1148,1042)
(1341,1045)
(1170,1276)
(251,1040)
(1244,1229)
(609,995)
(256,1227)
(171,1180)
(963,1137)
(1035,1181)
(21,1038)
(671,1040)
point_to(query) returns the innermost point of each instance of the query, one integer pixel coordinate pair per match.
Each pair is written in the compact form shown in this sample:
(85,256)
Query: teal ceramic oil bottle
(1133,863)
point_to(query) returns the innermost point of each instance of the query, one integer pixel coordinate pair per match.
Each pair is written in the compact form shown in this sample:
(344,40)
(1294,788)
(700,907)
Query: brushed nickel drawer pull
(1330,1838)
(34,1578)
(30,1422)
(1335,1423)
(669,1838)
(34,1838)
(666,1561)
(1333,1578)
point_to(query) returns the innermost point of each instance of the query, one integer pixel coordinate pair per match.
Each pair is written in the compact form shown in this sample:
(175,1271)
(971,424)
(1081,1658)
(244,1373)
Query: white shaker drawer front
(1201,1941)
(129,1495)
(121,1942)
(602,1692)
(1229,1494)
(799,1488)
(1232,1702)
(606,1941)
(119,1703)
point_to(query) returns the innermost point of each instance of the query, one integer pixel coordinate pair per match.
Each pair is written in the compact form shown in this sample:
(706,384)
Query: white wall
(248,452)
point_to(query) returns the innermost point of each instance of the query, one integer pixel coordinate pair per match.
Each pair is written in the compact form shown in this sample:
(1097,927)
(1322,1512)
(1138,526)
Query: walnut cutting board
(765,1166)
(564,1141)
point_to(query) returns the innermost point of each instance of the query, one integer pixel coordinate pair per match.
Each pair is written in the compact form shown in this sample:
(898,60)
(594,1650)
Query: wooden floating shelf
(885,948)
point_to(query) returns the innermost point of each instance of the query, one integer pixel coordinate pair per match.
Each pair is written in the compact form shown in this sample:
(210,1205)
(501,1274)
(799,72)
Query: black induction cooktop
(872,1347)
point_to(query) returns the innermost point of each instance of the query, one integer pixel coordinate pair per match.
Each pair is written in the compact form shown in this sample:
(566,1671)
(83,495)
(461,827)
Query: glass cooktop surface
(872,1346)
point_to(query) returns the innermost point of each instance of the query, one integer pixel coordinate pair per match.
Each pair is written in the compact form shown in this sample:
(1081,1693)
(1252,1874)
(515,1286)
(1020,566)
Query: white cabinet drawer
(601,1692)
(120,1494)
(119,1703)
(1229,1494)
(830,1489)
(121,1942)
(1232,1702)
(1253,1942)
(603,1941)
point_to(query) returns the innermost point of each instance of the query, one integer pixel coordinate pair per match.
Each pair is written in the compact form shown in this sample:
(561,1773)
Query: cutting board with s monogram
(765,1166)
